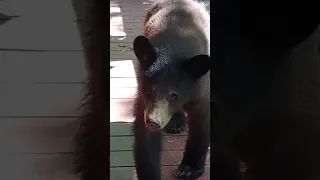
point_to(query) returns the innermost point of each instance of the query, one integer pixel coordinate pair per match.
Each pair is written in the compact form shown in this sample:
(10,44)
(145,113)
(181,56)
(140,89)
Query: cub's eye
(173,96)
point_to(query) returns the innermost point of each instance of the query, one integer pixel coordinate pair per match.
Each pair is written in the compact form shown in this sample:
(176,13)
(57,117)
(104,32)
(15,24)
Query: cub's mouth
(156,118)
(156,125)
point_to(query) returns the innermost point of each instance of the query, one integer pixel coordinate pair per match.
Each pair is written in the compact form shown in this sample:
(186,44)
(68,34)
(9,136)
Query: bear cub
(173,79)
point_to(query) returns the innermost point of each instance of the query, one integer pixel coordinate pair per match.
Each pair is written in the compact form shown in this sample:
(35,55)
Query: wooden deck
(42,75)
(127,18)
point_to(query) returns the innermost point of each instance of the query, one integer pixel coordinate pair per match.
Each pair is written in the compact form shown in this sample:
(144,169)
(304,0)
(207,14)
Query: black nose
(153,125)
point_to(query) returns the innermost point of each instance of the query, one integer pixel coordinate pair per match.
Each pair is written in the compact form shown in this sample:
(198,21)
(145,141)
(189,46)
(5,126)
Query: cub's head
(166,85)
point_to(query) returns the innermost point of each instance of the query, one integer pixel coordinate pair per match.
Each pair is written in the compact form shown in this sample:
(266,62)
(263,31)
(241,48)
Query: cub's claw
(187,173)
(176,125)
(175,128)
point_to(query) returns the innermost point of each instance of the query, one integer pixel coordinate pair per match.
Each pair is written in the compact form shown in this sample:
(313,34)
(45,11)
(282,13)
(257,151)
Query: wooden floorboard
(37,135)
(28,99)
(167,172)
(131,15)
(39,9)
(124,129)
(168,158)
(1,67)
(24,33)
(121,157)
(36,167)
(42,29)
(43,66)
(122,54)
(42,78)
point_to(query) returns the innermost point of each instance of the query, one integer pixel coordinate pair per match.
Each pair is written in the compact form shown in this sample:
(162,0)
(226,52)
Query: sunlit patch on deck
(123,88)
(122,69)
(116,21)
(116,26)
(147,2)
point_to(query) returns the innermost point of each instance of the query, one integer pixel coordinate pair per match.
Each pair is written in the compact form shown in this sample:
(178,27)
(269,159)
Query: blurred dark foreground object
(5,18)
(92,141)
(273,26)
(266,89)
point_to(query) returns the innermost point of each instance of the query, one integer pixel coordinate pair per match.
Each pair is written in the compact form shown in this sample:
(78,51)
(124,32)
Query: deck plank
(1,67)
(48,9)
(124,82)
(32,34)
(129,54)
(36,167)
(53,67)
(133,26)
(130,36)
(39,9)
(168,158)
(37,135)
(56,67)
(121,104)
(121,46)
(27,99)
(122,116)
(57,100)
(55,135)
(123,72)
(123,63)
(124,129)
(167,173)
(130,12)
(124,143)
(16,35)
(122,93)
(120,129)
(130,17)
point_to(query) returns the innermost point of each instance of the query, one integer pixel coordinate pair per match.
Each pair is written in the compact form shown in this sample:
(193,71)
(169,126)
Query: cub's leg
(192,165)
(147,148)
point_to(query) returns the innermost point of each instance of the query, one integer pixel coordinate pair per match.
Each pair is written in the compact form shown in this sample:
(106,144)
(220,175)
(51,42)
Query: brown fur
(92,141)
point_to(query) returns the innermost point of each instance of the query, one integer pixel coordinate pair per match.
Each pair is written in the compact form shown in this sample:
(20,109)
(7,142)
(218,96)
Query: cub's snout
(153,125)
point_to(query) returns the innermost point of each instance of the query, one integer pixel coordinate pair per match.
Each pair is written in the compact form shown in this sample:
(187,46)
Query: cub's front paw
(177,124)
(188,173)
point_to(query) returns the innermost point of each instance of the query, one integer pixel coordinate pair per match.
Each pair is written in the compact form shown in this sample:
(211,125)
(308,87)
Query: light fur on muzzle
(159,112)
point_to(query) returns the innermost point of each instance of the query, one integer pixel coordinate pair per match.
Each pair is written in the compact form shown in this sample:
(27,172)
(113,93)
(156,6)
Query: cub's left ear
(197,66)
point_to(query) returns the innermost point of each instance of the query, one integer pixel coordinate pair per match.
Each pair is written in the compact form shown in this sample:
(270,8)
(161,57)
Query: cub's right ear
(144,51)
(197,66)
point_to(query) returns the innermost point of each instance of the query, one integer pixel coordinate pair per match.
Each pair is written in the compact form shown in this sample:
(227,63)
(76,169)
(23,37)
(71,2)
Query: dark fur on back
(92,140)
